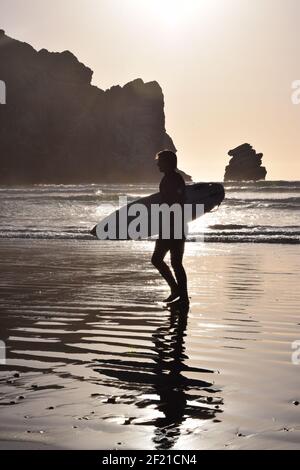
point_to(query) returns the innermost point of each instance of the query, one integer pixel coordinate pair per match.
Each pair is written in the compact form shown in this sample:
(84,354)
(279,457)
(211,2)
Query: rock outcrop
(245,165)
(57,128)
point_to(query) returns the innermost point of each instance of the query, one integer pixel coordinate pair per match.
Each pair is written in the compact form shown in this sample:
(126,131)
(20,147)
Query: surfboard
(200,199)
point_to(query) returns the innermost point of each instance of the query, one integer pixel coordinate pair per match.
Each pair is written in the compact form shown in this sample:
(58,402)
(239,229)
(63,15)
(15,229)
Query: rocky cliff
(57,128)
(245,165)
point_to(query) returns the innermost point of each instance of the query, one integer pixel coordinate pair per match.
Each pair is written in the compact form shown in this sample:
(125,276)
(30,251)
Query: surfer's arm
(173,190)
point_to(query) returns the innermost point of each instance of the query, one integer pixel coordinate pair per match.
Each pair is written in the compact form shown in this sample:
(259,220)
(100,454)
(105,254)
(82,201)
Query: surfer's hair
(169,157)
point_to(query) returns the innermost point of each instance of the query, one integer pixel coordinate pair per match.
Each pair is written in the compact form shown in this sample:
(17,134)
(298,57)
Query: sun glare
(171,13)
(174,12)
(177,15)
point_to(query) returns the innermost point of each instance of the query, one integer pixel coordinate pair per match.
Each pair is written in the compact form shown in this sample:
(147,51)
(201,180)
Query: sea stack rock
(56,127)
(245,165)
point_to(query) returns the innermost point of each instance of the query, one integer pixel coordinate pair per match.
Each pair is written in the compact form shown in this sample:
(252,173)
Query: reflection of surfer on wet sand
(181,397)
(159,382)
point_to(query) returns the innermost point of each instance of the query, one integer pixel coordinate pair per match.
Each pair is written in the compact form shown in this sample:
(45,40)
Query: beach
(94,361)
(149,230)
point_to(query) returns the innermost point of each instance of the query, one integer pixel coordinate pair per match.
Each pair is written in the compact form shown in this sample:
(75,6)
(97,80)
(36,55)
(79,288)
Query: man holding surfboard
(172,191)
(176,204)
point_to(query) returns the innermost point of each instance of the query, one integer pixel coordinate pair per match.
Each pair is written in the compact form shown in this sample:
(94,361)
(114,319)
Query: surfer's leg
(161,249)
(177,251)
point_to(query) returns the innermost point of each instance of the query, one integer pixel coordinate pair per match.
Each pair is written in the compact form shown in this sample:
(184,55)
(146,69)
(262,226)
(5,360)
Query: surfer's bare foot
(171,298)
(180,302)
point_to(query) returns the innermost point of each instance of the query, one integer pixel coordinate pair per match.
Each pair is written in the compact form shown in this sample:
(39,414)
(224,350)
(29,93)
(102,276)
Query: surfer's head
(166,161)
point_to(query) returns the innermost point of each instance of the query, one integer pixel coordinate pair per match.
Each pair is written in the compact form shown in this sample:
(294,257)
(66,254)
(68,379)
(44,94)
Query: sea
(256,212)
(93,359)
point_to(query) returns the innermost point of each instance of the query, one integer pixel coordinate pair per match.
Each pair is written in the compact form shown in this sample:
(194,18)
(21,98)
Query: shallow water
(103,365)
(262,212)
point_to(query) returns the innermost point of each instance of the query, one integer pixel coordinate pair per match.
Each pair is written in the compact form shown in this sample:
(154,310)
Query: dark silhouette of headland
(58,128)
(245,165)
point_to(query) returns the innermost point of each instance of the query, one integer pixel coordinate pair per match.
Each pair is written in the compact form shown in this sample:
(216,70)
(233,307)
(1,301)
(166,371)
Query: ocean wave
(45,234)
(266,189)
(52,211)
(229,236)
(46,199)
(257,228)
(291,203)
(250,239)
(244,186)
(262,185)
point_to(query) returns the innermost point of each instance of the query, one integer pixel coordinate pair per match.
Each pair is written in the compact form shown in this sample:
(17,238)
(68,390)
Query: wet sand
(95,362)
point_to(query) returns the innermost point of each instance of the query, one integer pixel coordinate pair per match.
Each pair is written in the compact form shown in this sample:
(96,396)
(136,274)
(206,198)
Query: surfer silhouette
(172,191)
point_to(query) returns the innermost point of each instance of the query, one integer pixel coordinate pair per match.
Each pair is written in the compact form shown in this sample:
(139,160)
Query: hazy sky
(226,67)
